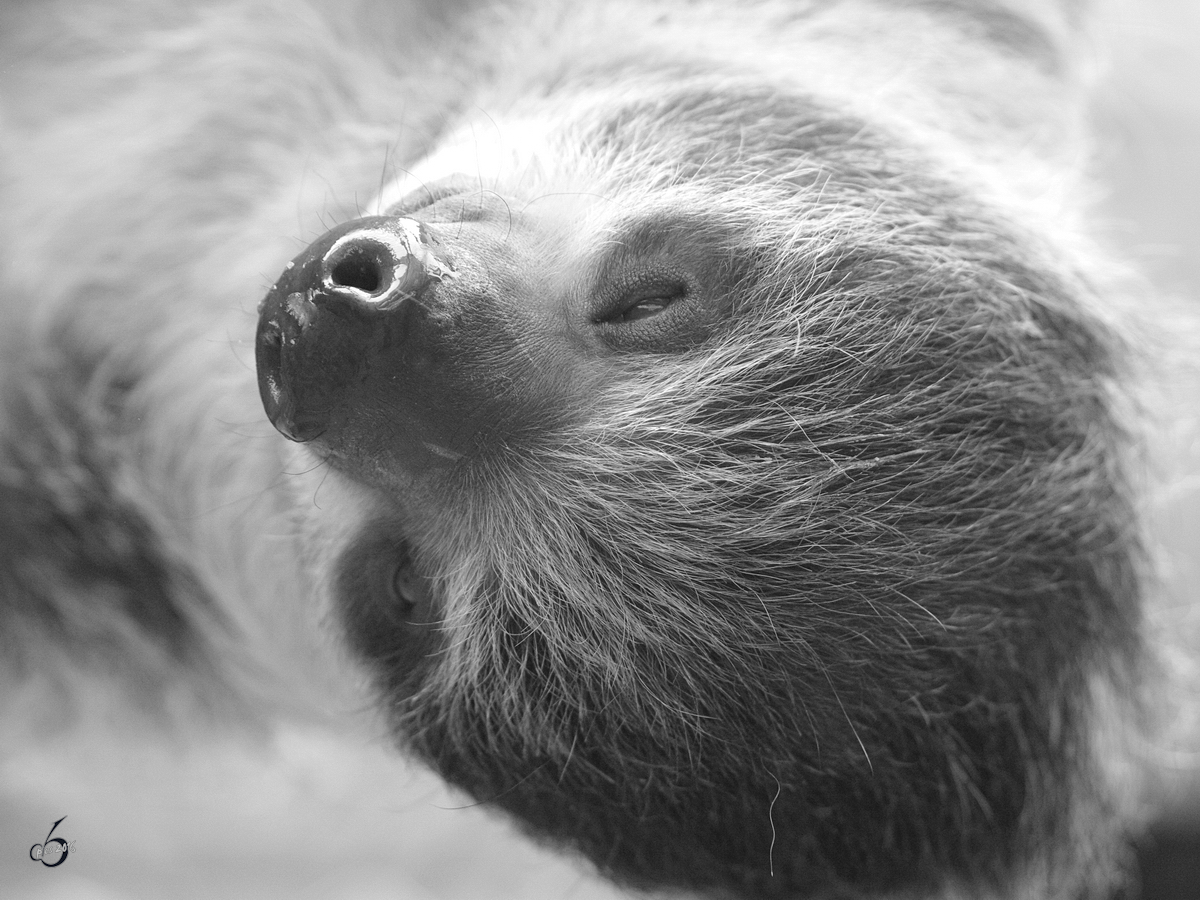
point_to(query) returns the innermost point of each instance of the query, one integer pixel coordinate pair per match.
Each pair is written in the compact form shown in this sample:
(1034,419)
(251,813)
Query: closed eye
(643,309)
(645,296)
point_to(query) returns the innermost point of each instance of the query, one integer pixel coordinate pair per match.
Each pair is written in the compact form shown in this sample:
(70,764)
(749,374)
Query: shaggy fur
(824,579)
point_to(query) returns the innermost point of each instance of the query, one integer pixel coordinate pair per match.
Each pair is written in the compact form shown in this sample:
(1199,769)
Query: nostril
(270,347)
(375,264)
(363,265)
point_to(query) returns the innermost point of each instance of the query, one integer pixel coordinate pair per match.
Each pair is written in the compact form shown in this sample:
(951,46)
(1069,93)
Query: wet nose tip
(315,320)
(273,335)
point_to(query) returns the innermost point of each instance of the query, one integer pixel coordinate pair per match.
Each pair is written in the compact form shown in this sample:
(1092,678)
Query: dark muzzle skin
(343,338)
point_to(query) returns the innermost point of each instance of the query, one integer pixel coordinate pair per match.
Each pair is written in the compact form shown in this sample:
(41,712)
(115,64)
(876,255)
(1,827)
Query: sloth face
(748,506)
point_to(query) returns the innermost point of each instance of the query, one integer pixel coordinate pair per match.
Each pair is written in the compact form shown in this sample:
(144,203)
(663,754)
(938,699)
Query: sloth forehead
(713,135)
(745,117)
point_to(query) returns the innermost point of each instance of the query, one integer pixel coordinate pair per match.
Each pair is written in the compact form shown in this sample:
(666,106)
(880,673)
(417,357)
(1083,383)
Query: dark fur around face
(748,503)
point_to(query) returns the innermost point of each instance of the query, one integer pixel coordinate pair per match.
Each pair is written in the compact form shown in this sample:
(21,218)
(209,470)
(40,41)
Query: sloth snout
(333,310)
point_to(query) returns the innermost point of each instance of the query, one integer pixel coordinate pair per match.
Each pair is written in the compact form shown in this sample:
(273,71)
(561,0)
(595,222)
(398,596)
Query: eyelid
(652,305)
(632,288)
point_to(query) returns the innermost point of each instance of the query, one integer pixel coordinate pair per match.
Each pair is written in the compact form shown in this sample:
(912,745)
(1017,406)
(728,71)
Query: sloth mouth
(388,606)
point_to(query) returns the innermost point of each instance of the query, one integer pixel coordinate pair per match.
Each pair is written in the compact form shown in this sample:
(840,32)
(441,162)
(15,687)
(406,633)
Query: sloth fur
(826,580)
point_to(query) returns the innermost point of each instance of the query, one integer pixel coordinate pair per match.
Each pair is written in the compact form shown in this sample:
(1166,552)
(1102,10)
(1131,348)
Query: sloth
(714,440)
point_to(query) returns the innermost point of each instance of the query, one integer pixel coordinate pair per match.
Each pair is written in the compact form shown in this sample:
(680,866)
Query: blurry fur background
(1148,123)
(301,814)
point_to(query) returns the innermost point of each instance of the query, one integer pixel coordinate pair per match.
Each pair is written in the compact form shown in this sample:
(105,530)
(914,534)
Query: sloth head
(750,510)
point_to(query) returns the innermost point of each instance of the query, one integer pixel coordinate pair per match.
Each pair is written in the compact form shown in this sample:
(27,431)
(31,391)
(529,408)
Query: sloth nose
(323,323)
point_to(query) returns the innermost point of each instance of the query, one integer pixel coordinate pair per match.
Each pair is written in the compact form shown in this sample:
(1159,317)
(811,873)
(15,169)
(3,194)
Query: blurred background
(305,815)
(1148,118)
